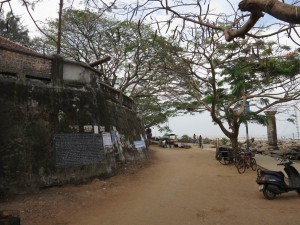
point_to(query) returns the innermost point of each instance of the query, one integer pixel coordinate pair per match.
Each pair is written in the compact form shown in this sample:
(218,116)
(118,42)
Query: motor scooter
(272,183)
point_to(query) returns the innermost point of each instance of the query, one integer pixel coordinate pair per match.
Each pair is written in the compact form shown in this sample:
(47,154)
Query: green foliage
(166,129)
(143,65)
(186,139)
(224,141)
(153,111)
(264,101)
(12,29)
(292,119)
(253,117)
(226,75)
(207,141)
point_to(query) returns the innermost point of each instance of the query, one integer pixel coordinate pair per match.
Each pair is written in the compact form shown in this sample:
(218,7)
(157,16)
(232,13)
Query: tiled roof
(13,45)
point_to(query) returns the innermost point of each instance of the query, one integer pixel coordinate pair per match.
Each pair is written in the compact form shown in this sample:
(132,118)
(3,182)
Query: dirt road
(177,187)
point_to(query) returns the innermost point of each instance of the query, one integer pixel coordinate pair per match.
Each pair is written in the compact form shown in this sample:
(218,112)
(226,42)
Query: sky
(182,125)
(201,124)
(43,11)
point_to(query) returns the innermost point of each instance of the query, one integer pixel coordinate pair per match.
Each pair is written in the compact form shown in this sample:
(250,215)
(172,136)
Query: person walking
(194,139)
(200,141)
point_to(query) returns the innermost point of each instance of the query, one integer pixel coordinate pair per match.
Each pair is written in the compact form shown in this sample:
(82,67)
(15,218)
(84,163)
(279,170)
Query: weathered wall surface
(14,61)
(44,97)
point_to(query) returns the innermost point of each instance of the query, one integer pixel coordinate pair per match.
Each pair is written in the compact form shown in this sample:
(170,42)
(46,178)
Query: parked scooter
(272,183)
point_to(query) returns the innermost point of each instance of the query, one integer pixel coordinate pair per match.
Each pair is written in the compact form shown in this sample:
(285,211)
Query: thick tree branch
(230,34)
(284,12)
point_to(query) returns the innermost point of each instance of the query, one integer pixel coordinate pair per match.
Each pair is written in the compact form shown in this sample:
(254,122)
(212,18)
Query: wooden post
(59,26)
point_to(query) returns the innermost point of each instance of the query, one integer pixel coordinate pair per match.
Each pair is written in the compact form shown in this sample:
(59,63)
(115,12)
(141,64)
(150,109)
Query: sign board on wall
(106,139)
(78,149)
(139,144)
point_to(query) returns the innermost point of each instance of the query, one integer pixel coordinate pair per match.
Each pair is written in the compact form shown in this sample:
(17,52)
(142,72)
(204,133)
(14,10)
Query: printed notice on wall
(106,139)
(139,144)
(78,149)
(96,130)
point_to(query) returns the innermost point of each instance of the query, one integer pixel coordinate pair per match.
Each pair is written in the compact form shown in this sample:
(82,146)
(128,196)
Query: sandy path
(179,187)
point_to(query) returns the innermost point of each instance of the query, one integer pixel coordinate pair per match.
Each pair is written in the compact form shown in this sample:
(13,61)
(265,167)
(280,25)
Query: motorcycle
(272,183)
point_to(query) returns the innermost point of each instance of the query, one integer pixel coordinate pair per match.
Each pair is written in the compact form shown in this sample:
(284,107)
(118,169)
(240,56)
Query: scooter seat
(273,173)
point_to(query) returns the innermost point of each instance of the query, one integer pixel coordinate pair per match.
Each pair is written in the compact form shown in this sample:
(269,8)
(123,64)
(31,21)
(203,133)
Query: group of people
(198,140)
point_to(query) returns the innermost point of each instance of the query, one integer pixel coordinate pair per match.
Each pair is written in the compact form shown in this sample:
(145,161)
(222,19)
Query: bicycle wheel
(253,164)
(227,160)
(236,160)
(220,158)
(241,167)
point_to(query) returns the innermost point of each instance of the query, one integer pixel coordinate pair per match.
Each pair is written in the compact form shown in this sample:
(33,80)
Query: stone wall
(41,97)
(24,64)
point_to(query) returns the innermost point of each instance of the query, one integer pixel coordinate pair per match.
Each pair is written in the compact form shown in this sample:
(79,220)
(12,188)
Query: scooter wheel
(270,195)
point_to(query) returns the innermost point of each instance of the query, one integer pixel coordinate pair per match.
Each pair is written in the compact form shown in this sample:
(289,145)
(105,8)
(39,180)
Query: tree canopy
(140,58)
(235,19)
(224,76)
(12,28)
(189,56)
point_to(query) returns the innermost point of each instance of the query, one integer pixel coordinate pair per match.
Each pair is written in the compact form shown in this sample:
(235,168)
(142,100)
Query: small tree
(186,139)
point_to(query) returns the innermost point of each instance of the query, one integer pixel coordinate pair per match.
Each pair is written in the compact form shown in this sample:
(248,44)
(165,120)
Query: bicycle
(225,156)
(246,160)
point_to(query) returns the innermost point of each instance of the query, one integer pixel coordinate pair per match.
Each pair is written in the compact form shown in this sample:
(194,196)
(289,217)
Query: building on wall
(59,122)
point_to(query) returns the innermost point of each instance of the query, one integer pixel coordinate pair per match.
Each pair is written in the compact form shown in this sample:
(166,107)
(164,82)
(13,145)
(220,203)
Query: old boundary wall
(59,124)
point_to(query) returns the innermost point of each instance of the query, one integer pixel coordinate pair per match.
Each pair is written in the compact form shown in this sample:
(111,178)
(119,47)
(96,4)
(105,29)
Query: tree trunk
(234,143)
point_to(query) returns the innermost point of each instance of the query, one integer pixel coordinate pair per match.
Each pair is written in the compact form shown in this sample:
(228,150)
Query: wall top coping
(116,90)
(80,64)
(4,42)
(8,45)
(23,50)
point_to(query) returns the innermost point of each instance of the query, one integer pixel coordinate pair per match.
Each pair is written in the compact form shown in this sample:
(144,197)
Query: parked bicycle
(246,160)
(227,156)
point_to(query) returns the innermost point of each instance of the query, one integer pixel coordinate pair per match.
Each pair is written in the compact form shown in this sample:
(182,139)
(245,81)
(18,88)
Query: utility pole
(296,121)
(59,26)
(247,110)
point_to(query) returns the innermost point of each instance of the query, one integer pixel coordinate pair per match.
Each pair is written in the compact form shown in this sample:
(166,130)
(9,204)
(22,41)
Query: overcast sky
(202,124)
(189,125)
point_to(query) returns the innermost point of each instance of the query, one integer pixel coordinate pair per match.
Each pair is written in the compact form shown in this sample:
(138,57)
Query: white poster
(96,131)
(106,139)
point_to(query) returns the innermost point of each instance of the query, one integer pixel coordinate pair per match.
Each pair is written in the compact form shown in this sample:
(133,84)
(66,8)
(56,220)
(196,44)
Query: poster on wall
(106,139)
(88,129)
(102,128)
(96,130)
(139,144)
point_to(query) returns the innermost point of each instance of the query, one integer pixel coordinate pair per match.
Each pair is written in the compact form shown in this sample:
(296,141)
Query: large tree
(223,77)
(139,57)
(241,18)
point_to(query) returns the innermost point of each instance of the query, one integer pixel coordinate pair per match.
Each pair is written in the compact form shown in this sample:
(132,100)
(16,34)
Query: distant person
(194,138)
(200,141)
(149,135)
